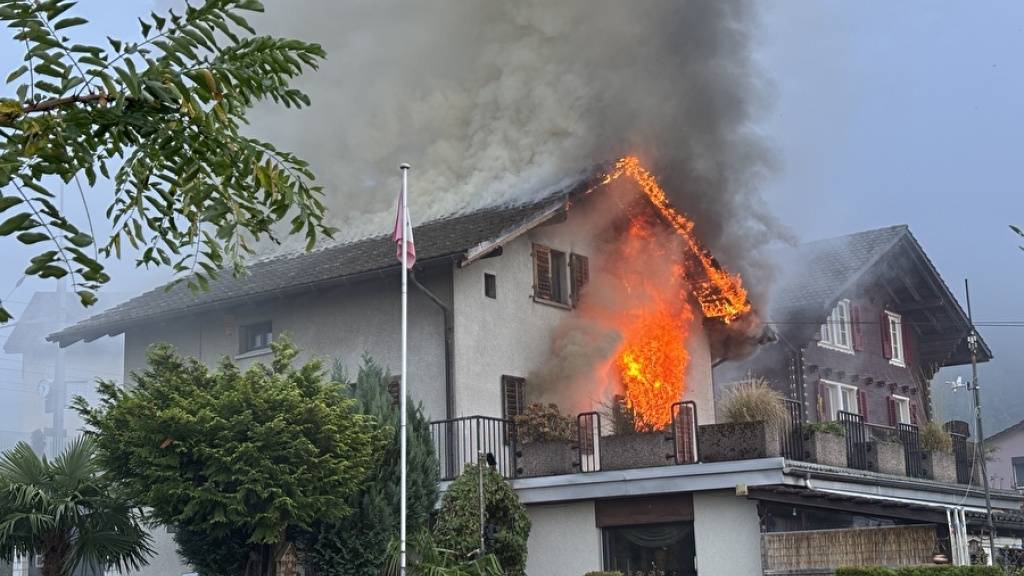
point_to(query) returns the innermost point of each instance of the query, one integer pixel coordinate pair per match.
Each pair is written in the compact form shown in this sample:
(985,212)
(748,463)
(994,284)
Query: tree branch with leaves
(162,118)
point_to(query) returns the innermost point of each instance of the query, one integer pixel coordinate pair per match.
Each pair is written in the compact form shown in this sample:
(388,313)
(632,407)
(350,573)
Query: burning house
(600,299)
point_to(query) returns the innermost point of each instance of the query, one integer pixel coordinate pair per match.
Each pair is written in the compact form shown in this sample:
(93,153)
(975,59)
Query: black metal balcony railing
(793,433)
(856,439)
(588,442)
(462,441)
(684,433)
(909,437)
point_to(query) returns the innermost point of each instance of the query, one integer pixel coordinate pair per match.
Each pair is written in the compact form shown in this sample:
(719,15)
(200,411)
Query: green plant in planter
(754,400)
(544,423)
(934,439)
(827,427)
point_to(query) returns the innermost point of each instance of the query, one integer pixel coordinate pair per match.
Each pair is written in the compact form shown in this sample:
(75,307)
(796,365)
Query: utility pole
(972,343)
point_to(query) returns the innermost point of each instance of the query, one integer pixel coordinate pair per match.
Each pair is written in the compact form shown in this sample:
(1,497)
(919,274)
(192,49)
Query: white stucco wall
(341,322)
(564,540)
(727,534)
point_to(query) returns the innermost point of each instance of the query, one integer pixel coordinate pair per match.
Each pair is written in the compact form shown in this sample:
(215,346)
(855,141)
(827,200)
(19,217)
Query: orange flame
(652,358)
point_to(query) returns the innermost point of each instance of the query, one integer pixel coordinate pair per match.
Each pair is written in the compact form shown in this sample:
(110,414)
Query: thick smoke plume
(496,102)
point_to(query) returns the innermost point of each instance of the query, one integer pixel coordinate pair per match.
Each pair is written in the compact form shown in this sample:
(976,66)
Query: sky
(879,113)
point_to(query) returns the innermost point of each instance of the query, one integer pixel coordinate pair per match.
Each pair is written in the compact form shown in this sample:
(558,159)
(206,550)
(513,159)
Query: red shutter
(824,405)
(893,416)
(908,341)
(541,272)
(913,414)
(862,404)
(858,337)
(886,336)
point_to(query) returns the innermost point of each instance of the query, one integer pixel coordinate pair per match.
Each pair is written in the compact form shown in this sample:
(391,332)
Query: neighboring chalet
(493,288)
(1006,457)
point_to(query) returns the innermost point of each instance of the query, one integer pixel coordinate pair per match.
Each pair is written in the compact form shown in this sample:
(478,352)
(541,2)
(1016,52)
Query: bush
(754,400)
(458,522)
(542,423)
(934,438)
(921,571)
(827,427)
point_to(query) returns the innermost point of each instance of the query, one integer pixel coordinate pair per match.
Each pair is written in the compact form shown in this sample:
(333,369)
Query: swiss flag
(400,230)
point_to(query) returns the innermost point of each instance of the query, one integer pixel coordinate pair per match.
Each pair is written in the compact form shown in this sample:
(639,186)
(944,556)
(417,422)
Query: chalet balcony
(593,445)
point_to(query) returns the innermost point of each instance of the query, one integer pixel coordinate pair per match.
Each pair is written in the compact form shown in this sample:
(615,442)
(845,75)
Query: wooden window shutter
(886,336)
(894,418)
(512,396)
(579,271)
(862,404)
(542,272)
(913,414)
(907,341)
(857,337)
(824,403)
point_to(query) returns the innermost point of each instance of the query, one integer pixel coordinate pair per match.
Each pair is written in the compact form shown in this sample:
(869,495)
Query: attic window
(490,285)
(256,336)
(837,331)
(892,338)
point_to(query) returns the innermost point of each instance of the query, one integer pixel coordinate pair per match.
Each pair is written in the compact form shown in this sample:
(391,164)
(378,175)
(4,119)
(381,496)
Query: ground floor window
(651,550)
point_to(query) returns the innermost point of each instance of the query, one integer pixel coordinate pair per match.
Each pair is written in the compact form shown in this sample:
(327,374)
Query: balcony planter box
(546,458)
(940,466)
(825,448)
(886,458)
(635,450)
(738,441)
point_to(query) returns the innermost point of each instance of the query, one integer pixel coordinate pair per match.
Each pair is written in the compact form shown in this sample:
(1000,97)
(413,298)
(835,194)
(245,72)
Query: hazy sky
(880,112)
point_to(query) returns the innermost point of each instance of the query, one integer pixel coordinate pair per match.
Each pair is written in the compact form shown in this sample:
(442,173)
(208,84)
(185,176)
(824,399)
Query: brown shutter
(579,272)
(824,405)
(893,416)
(862,404)
(857,336)
(907,341)
(886,336)
(913,414)
(512,396)
(541,272)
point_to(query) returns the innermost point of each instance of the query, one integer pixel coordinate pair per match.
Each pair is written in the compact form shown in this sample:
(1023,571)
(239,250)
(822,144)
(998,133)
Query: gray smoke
(496,102)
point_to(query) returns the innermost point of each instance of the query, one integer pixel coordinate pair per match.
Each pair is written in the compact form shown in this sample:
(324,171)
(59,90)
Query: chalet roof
(42,316)
(1006,431)
(818,274)
(454,238)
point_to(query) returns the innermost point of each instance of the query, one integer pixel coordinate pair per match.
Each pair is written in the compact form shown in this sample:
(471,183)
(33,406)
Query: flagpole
(405,368)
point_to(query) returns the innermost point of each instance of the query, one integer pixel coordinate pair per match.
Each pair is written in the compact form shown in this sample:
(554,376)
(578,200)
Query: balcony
(592,444)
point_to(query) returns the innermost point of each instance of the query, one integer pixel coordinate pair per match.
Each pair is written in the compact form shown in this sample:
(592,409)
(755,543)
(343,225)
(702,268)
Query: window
(901,410)
(513,402)
(1018,471)
(579,275)
(836,332)
(667,549)
(490,285)
(836,397)
(255,337)
(893,338)
(549,275)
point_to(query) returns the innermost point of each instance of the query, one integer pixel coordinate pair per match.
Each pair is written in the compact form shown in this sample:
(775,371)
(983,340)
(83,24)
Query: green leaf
(14,223)
(8,201)
(16,74)
(69,22)
(86,298)
(52,271)
(32,237)
(146,27)
(115,43)
(81,239)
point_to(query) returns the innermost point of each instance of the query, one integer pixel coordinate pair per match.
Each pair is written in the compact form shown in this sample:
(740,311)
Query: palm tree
(67,512)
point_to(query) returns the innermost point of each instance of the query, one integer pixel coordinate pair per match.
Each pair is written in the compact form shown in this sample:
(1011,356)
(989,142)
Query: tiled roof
(445,237)
(816,273)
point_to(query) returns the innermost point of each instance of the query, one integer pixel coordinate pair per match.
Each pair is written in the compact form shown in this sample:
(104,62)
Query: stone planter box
(825,448)
(886,458)
(738,441)
(548,458)
(940,466)
(638,450)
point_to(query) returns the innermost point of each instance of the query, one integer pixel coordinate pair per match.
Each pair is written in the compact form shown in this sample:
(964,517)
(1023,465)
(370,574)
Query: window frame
(490,285)
(245,337)
(896,345)
(558,276)
(841,391)
(1018,479)
(518,383)
(902,402)
(839,317)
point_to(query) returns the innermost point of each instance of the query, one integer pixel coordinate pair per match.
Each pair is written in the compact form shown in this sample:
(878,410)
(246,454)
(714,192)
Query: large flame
(652,358)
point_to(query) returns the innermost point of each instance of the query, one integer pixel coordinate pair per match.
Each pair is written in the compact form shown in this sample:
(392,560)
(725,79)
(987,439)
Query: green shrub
(754,400)
(934,438)
(920,571)
(543,422)
(458,522)
(827,427)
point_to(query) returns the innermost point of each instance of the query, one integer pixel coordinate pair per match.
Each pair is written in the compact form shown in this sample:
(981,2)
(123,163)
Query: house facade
(504,313)
(1006,457)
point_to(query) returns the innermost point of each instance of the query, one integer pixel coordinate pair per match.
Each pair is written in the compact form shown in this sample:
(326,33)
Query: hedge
(921,571)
